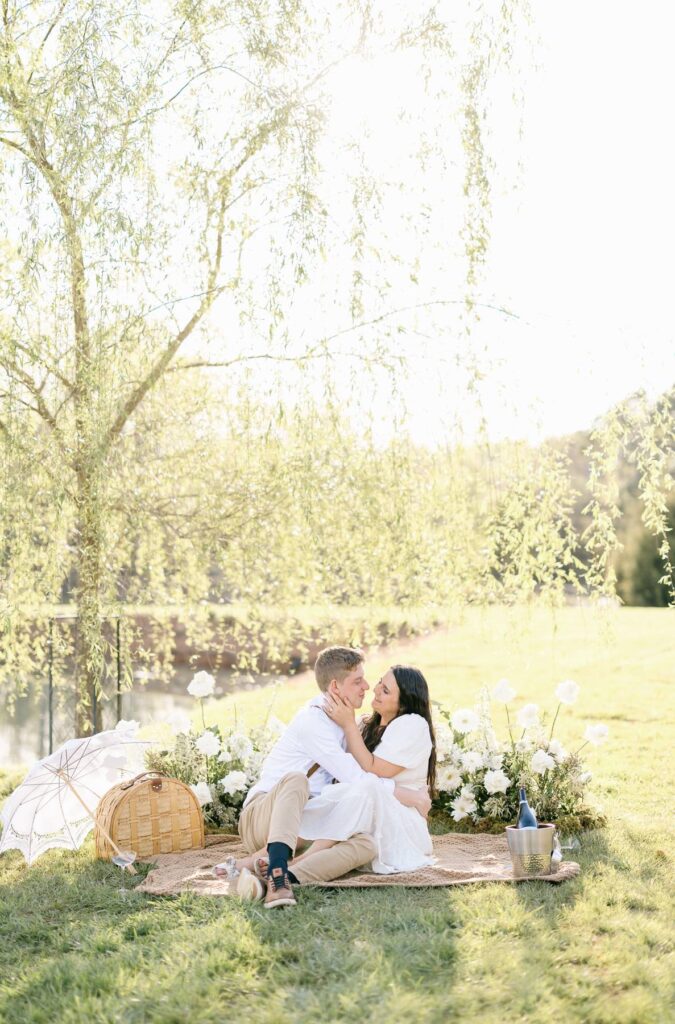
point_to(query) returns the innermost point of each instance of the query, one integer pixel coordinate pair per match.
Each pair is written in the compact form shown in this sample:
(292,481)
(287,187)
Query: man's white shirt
(312,738)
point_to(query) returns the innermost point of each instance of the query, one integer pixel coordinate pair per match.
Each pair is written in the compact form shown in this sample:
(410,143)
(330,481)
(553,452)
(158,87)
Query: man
(307,757)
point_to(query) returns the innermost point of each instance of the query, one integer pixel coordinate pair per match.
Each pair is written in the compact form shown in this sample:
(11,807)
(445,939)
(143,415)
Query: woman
(396,742)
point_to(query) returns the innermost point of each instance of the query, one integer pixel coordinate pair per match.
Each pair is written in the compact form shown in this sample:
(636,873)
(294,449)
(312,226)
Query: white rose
(202,685)
(496,781)
(596,734)
(528,716)
(233,782)
(202,792)
(503,692)
(240,745)
(225,755)
(541,762)
(465,720)
(472,761)
(567,691)
(557,750)
(208,744)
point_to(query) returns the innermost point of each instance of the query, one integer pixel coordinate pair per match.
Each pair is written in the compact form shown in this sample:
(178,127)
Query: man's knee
(295,782)
(367,844)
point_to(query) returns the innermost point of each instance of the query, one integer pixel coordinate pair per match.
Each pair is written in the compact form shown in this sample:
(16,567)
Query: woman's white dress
(345,809)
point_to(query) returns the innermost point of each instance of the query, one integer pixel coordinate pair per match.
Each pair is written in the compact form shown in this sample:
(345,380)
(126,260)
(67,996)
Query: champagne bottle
(526,817)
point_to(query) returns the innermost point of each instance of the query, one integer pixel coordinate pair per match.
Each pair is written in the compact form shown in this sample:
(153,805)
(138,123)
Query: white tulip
(596,734)
(567,691)
(503,692)
(528,716)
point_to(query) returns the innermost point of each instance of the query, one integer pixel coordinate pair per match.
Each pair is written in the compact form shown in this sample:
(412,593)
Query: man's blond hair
(336,663)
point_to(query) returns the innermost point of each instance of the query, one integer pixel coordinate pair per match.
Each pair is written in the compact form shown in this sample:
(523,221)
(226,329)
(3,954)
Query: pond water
(24,734)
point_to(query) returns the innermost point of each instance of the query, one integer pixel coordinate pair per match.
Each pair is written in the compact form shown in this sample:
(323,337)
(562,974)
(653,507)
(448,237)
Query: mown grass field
(75,948)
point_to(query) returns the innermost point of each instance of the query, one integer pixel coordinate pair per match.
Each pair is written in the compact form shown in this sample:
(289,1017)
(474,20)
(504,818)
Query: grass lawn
(73,947)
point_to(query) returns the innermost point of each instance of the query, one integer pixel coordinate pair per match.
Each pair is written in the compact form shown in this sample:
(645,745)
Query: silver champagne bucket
(532,850)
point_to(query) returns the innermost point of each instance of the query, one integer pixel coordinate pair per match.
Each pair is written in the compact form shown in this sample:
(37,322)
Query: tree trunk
(89,651)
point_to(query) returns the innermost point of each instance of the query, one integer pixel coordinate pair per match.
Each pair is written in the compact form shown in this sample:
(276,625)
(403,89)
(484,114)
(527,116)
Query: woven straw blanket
(461,859)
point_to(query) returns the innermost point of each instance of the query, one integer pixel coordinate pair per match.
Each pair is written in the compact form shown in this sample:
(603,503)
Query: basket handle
(143,775)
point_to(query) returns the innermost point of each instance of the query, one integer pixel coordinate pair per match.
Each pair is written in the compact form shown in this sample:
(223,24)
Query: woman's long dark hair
(413,700)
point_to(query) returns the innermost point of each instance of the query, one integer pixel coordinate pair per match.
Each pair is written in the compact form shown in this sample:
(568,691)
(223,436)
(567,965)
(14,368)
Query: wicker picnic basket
(149,814)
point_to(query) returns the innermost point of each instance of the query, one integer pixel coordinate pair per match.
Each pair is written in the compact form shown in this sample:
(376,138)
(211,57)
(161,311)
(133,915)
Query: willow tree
(161,184)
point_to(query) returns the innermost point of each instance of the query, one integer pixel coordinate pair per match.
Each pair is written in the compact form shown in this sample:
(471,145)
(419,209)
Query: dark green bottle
(526,818)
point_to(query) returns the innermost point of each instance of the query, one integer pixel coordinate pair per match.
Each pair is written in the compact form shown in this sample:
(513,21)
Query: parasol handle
(128,867)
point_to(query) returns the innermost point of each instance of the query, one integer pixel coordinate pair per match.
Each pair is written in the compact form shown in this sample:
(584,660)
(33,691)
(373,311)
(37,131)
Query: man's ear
(333,687)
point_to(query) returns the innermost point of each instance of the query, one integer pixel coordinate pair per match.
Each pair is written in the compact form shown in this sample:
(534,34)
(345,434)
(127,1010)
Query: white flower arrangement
(478,775)
(219,765)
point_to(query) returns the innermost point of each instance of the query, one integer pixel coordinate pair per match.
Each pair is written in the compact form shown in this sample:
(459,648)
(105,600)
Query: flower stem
(201,704)
(582,747)
(508,719)
(555,719)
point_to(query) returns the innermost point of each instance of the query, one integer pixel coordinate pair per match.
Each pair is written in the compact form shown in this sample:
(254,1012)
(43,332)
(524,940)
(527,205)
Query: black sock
(278,854)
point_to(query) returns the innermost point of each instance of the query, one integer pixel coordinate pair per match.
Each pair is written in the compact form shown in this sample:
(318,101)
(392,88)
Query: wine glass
(122,860)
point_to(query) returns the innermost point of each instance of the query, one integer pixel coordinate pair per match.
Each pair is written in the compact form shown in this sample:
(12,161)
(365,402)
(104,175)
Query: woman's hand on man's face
(338,710)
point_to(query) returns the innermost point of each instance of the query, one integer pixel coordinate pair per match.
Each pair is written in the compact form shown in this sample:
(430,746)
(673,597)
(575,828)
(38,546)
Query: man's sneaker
(249,886)
(281,894)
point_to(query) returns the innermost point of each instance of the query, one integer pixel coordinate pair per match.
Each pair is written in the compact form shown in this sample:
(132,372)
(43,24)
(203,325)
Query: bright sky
(581,250)
(584,253)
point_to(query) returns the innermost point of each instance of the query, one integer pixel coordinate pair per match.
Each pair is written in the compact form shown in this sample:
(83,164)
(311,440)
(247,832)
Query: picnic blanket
(460,860)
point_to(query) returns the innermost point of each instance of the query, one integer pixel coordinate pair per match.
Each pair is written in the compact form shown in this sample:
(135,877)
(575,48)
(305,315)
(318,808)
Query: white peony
(567,691)
(202,685)
(496,781)
(179,721)
(233,782)
(503,692)
(596,734)
(129,727)
(225,755)
(202,792)
(240,745)
(471,761)
(556,749)
(528,716)
(465,720)
(448,779)
(541,762)
(208,744)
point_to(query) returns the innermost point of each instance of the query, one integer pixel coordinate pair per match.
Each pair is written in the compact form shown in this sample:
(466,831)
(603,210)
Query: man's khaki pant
(275,817)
